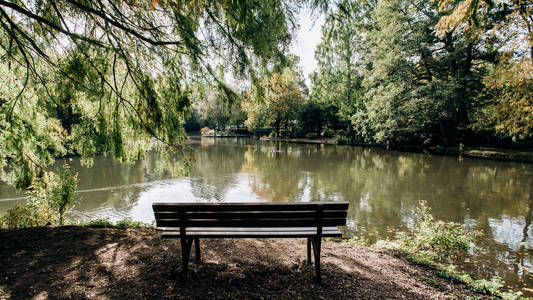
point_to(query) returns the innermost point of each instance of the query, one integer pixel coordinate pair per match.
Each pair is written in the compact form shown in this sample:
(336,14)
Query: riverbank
(500,154)
(89,263)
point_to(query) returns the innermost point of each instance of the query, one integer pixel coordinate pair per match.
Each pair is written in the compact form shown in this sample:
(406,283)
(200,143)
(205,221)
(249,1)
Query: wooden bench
(192,221)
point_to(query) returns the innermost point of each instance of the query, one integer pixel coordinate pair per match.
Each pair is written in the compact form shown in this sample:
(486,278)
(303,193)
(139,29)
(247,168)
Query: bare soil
(88,263)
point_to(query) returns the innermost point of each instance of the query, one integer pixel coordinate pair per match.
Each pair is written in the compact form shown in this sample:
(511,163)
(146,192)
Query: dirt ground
(89,263)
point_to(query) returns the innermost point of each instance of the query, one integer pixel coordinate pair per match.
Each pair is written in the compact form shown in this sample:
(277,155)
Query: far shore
(491,153)
(101,263)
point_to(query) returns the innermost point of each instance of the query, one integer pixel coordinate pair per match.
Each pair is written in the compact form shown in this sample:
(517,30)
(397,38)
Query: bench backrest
(310,214)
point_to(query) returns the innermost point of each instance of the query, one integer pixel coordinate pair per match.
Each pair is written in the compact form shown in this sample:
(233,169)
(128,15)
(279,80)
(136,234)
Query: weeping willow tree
(81,77)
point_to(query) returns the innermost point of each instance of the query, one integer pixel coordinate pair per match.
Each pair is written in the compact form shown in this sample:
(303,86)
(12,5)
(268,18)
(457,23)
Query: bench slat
(336,214)
(251,234)
(254,229)
(217,207)
(251,223)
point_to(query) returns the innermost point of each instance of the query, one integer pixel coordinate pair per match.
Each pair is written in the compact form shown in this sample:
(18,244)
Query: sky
(307,38)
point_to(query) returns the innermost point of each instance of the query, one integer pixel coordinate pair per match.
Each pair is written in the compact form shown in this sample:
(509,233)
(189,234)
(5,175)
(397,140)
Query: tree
(339,76)
(276,102)
(510,110)
(218,106)
(421,86)
(510,84)
(311,117)
(512,19)
(103,76)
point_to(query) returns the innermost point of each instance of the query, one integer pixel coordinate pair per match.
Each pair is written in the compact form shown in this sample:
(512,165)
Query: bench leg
(317,243)
(197,250)
(309,251)
(185,254)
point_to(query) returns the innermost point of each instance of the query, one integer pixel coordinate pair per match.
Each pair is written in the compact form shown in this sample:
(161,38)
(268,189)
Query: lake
(384,189)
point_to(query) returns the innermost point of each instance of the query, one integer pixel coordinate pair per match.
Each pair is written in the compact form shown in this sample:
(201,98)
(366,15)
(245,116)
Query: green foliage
(98,223)
(15,217)
(216,107)
(276,102)
(128,223)
(343,140)
(358,240)
(48,200)
(430,281)
(381,64)
(65,90)
(341,132)
(339,77)
(64,195)
(491,287)
(430,243)
(311,136)
(310,118)
(329,133)
(510,111)
(436,240)
(429,106)
(121,224)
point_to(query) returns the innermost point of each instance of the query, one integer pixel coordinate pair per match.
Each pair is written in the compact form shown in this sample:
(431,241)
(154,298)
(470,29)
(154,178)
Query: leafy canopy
(106,76)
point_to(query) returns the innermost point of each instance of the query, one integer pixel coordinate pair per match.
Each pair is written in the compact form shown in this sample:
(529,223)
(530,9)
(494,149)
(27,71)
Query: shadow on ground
(88,263)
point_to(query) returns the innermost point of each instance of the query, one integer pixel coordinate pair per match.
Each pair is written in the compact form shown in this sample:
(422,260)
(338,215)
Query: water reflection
(383,188)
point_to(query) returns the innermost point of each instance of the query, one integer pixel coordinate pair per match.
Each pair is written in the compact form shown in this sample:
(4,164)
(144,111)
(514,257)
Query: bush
(430,241)
(436,240)
(341,132)
(122,224)
(329,133)
(48,201)
(98,223)
(129,223)
(342,140)
(17,216)
(311,135)
(64,194)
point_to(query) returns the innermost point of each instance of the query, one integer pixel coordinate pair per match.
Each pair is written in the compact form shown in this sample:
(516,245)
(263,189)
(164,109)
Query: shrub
(430,241)
(122,224)
(129,223)
(99,223)
(48,201)
(64,194)
(435,239)
(341,132)
(342,140)
(16,216)
(311,135)
(329,133)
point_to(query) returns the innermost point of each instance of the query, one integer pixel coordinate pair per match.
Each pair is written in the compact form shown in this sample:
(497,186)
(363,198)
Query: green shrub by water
(124,223)
(431,243)
(434,239)
(49,199)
